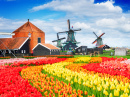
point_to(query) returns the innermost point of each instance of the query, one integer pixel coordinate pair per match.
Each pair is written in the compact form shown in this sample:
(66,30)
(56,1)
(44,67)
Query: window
(83,49)
(39,40)
(24,51)
(21,51)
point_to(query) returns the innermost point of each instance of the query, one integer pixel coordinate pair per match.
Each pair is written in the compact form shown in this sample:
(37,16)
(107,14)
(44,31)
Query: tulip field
(65,77)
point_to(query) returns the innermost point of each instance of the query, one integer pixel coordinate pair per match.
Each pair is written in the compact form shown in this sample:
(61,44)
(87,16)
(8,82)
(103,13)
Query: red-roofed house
(21,42)
(15,45)
(37,35)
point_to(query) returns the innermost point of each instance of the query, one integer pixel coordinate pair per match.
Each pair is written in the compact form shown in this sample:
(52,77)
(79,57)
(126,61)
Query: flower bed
(71,77)
(58,56)
(38,61)
(13,85)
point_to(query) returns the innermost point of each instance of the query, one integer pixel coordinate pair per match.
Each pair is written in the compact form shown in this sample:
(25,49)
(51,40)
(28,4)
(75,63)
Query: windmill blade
(102,34)
(94,41)
(76,29)
(54,40)
(62,38)
(95,34)
(68,22)
(63,32)
(57,36)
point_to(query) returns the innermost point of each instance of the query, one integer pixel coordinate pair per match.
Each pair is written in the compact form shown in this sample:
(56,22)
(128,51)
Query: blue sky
(109,16)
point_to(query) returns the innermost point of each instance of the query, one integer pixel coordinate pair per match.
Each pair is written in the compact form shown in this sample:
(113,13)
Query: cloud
(81,25)
(81,7)
(122,23)
(9,25)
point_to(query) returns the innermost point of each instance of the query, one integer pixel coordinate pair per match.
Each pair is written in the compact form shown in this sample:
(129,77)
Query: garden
(65,76)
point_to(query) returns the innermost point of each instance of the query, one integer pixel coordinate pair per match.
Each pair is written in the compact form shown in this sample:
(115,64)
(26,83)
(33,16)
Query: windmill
(58,41)
(70,34)
(98,40)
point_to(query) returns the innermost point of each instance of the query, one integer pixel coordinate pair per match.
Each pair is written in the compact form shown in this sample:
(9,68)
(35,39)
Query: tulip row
(82,60)
(49,86)
(115,65)
(97,68)
(13,85)
(92,83)
(95,60)
(78,68)
(58,56)
(10,61)
(88,60)
(112,59)
(38,61)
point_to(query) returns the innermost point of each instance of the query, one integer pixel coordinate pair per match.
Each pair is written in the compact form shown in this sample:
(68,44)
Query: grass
(105,54)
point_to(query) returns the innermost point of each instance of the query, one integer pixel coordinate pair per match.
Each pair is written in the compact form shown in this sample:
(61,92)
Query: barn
(25,38)
(45,49)
(14,45)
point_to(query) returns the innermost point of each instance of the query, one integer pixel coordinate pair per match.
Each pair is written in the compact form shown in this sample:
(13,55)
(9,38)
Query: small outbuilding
(81,49)
(45,49)
(69,46)
(104,46)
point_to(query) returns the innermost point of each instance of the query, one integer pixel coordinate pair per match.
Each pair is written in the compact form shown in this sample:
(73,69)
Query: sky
(111,17)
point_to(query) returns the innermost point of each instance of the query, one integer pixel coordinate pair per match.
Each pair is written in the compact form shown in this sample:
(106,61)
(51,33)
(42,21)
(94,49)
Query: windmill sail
(98,40)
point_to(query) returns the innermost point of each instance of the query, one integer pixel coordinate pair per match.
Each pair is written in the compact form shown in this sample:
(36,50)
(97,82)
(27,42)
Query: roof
(47,45)
(80,46)
(12,43)
(28,27)
(101,46)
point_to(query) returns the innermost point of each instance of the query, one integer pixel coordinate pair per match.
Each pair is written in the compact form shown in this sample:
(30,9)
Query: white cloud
(81,25)
(81,7)
(118,23)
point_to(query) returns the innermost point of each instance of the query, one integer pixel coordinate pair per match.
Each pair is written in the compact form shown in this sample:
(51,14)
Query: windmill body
(98,41)
(71,37)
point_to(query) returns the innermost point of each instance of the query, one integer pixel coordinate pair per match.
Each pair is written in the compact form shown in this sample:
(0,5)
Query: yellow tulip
(99,88)
(105,92)
(110,95)
(116,93)
(112,86)
(126,90)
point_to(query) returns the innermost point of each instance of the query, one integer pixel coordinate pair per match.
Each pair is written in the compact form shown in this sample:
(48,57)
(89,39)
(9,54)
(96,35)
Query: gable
(28,27)
(48,46)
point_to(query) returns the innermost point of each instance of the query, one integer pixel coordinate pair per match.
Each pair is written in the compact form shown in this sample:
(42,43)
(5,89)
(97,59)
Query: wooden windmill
(70,34)
(59,44)
(98,40)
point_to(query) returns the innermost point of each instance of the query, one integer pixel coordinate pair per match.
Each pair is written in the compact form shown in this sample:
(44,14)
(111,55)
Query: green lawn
(105,54)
